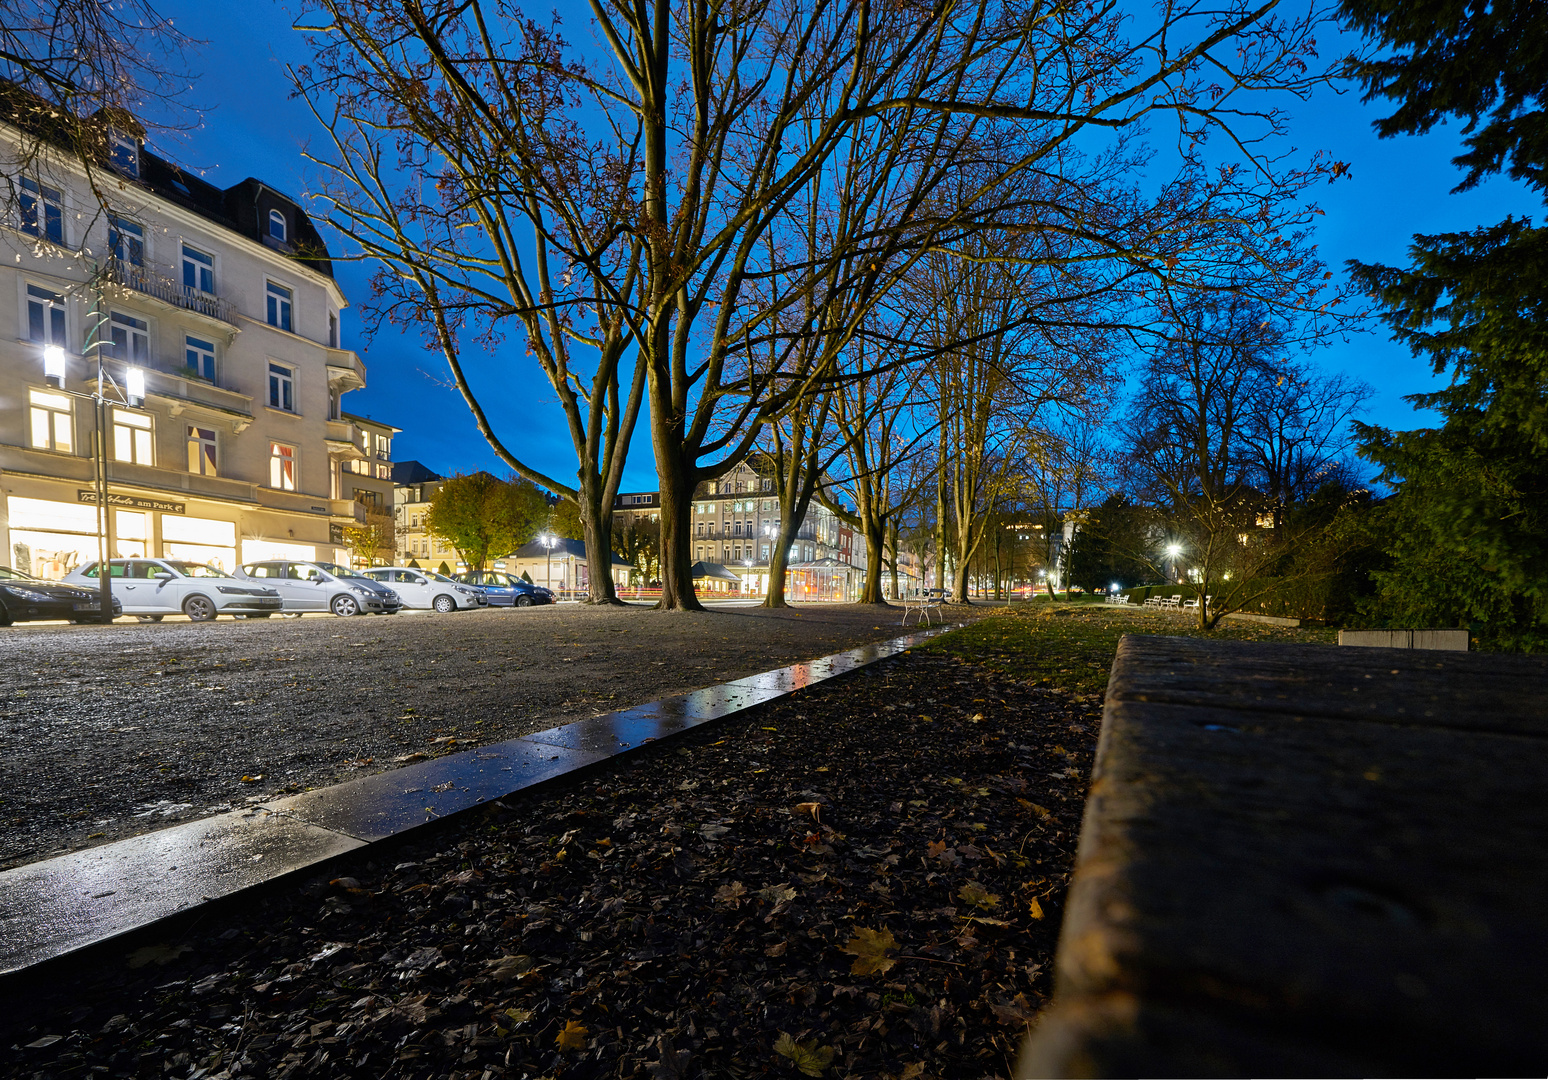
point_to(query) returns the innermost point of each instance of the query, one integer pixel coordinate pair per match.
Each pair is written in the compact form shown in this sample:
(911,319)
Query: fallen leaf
(813,810)
(870,949)
(573,1037)
(732,893)
(157,954)
(252,779)
(810,1058)
(776,950)
(507,968)
(1035,908)
(975,894)
(778,894)
(1018,1011)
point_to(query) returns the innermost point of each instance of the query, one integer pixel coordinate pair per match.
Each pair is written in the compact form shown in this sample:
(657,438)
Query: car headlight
(29,595)
(362,590)
(465,590)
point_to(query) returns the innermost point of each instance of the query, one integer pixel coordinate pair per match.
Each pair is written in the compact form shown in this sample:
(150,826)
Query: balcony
(158,283)
(346,371)
(344,439)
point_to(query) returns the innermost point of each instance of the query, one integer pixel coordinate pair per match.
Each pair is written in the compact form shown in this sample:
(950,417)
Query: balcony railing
(152,281)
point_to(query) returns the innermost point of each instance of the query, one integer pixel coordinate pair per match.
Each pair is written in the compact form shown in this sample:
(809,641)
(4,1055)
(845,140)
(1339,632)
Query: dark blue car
(504,590)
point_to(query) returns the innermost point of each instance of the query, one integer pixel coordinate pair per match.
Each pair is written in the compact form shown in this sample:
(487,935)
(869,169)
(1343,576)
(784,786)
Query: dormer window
(277,229)
(124,152)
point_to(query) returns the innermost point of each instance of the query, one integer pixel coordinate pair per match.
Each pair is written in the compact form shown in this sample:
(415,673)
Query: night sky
(251,127)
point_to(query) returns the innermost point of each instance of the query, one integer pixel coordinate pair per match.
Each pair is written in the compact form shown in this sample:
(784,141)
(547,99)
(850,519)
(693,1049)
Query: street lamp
(547,540)
(133,395)
(1172,551)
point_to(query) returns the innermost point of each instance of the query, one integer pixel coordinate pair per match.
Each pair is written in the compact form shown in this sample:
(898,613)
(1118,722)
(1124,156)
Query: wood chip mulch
(864,879)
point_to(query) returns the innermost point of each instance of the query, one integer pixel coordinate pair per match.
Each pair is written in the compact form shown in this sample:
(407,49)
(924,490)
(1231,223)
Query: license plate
(83,606)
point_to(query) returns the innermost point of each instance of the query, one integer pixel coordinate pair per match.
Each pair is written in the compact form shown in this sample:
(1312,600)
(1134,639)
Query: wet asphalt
(106,732)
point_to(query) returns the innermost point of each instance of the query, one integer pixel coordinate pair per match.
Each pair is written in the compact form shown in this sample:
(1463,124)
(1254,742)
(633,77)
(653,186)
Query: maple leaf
(810,1058)
(732,893)
(975,894)
(870,948)
(573,1037)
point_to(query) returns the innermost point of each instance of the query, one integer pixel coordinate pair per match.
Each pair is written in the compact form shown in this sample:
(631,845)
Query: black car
(24,598)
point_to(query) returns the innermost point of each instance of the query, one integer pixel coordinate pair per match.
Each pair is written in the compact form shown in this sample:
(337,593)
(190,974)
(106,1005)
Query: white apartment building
(225,302)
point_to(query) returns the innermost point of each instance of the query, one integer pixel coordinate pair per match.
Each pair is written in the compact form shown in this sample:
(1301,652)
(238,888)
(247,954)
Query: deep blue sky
(251,128)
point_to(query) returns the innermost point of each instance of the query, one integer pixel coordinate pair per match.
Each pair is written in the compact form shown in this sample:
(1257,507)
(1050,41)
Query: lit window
(42,211)
(282,466)
(200,355)
(277,225)
(132,437)
(126,239)
(131,338)
(45,316)
(383,447)
(51,421)
(279,306)
(282,387)
(201,451)
(124,153)
(198,271)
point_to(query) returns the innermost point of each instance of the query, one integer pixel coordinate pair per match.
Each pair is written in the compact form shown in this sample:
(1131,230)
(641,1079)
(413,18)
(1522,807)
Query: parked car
(505,590)
(423,589)
(24,598)
(155,588)
(311,586)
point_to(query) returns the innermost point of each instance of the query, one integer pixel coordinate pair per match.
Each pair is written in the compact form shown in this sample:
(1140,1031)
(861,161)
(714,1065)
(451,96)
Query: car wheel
(149,618)
(290,614)
(344,606)
(445,604)
(199,608)
(5,616)
(524,601)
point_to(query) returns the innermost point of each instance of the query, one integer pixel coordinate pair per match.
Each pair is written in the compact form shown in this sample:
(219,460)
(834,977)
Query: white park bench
(925,602)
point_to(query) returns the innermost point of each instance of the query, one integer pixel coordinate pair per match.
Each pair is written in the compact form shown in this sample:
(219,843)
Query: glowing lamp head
(134,386)
(1174,550)
(54,365)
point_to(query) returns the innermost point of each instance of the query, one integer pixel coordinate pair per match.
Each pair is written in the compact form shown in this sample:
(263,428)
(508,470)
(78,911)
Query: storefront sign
(134,501)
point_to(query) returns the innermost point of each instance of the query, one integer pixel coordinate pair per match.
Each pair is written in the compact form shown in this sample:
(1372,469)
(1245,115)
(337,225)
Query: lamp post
(132,394)
(1172,551)
(548,559)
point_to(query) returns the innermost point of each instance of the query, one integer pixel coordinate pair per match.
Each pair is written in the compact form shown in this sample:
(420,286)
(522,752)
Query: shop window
(282,466)
(42,210)
(131,532)
(131,338)
(201,451)
(45,316)
(132,437)
(51,421)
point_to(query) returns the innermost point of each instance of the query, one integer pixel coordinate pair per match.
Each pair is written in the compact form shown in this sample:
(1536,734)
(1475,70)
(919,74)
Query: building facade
(223,302)
(414,487)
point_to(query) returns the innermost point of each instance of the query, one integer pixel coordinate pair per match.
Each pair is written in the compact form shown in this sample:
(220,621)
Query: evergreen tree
(1466,532)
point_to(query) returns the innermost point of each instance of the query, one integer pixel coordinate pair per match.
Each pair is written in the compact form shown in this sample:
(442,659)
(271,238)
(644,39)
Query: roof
(356,418)
(412,472)
(702,570)
(564,548)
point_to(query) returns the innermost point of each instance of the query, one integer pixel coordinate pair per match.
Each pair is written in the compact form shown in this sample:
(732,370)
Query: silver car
(155,588)
(313,586)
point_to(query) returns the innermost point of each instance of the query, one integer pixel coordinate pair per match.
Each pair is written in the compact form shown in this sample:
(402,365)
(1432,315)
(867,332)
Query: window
(45,316)
(198,271)
(200,356)
(51,421)
(383,447)
(126,239)
(131,338)
(739,528)
(277,225)
(764,548)
(768,485)
(279,306)
(282,387)
(132,437)
(384,472)
(201,451)
(333,331)
(701,528)
(282,466)
(124,153)
(42,211)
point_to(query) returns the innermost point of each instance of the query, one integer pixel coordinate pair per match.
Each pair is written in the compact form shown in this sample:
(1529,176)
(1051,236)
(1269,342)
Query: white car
(423,589)
(310,586)
(155,588)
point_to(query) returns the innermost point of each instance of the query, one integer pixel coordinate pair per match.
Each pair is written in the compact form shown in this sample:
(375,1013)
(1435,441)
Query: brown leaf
(1035,908)
(811,809)
(870,949)
(731,894)
(1018,1011)
(975,894)
(507,968)
(811,1059)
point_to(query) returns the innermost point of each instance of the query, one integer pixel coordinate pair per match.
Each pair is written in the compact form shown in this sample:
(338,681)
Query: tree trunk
(677,592)
(873,566)
(892,542)
(779,563)
(597,524)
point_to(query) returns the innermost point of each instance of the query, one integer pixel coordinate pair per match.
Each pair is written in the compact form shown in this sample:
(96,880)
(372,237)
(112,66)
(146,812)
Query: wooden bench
(1307,860)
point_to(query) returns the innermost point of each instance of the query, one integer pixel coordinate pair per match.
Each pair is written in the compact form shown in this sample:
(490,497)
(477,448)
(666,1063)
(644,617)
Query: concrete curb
(56,907)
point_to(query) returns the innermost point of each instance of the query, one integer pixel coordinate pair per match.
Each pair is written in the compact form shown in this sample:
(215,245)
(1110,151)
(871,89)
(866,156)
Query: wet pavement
(60,905)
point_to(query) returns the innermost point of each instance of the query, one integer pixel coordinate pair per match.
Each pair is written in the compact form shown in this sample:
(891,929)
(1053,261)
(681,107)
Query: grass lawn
(1071,645)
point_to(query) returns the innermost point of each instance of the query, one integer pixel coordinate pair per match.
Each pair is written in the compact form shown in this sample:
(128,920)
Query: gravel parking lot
(110,731)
